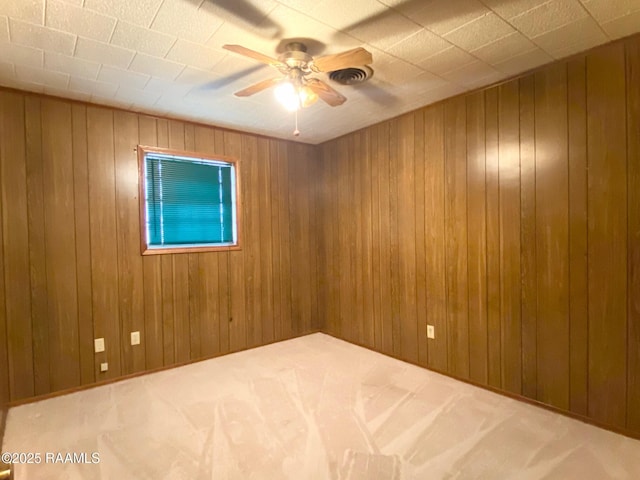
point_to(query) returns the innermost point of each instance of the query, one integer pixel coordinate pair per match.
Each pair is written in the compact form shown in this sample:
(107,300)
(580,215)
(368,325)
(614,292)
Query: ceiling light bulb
(286,94)
(307,96)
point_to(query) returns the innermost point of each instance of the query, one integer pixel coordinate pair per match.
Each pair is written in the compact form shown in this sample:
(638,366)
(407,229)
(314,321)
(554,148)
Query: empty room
(319,239)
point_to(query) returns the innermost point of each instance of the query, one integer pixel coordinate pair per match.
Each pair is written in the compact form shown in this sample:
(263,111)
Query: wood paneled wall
(509,219)
(70,264)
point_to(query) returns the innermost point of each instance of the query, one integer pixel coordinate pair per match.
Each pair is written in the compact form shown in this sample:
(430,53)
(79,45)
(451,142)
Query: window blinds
(189,201)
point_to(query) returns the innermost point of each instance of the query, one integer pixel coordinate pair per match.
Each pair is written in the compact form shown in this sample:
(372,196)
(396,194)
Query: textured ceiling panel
(37,36)
(166,56)
(71,65)
(79,21)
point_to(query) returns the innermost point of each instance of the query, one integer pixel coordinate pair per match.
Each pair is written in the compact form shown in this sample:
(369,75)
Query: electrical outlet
(431,331)
(104,367)
(135,338)
(98,344)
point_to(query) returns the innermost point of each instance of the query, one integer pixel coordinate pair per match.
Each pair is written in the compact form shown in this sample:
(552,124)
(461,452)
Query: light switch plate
(98,345)
(135,338)
(431,331)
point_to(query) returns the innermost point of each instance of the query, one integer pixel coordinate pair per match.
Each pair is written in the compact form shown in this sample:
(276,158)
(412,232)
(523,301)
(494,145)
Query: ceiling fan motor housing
(296,56)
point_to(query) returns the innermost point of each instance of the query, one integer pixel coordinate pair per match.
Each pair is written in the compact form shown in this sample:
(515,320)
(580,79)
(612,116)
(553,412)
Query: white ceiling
(165,56)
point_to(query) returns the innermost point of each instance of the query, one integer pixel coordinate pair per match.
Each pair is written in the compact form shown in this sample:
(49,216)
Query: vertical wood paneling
(494,342)
(195,284)
(168,329)
(510,288)
(578,287)
(435,225)
(607,197)
(356,173)
(235,270)
(5,394)
(524,213)
(37,249)
(477,215)
(103,235)
(286,263)
(166,277)
(204,270)
(455,129)
(312,155)
(366,233)
(299,243)
(276,273)
(345,278)
(374,167)
(308,249)
(251,224)
(528,235)
(407,241)
(60,249)
(350,264)
(130,269)
(196,300)
(83,243)
(384,314)
(198,336)
(224,275)
(395,237)
(334,218)
(151,276)
(420,239)
(552,236)
(181,318)
(477,237)
(71,261)
(266,242)
(311,171)
(15,228)
(633,258)
(324,239)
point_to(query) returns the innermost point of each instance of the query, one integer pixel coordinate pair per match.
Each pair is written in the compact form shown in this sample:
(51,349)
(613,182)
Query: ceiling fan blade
(243,11)
(325,92)
(350,58)
(258,87)
(252,54)
(222,82)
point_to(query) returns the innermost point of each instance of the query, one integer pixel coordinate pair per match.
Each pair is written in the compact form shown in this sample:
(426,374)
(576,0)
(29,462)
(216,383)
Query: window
(188,202)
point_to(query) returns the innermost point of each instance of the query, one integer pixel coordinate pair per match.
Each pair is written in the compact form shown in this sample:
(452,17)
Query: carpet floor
(310,408)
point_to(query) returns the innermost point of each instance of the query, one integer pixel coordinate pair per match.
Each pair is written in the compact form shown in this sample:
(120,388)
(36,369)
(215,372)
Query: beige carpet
(309,408)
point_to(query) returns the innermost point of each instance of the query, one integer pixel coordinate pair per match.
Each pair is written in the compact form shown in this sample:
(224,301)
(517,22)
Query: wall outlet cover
(98,345)
(135,338)
(104,367)
(431,331)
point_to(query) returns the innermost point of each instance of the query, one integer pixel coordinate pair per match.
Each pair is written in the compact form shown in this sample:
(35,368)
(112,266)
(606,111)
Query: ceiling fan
(295,87)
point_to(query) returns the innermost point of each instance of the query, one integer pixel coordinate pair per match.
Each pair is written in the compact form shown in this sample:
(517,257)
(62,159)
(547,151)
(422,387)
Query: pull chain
(296,132)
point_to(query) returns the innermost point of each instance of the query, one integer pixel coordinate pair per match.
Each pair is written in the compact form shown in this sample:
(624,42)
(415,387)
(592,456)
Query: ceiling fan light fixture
(298,90)
(307,96)
(288,96)
(293,97)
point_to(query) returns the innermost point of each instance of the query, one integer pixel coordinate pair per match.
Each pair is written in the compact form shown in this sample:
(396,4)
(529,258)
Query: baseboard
(89,386)
(4,409)
(521,398)
(5,469)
